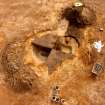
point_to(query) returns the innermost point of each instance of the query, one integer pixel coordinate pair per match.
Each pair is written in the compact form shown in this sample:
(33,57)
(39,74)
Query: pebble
(101,29)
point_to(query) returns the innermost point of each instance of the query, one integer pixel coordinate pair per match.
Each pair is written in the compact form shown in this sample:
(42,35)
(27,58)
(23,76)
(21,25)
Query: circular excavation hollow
(22,55)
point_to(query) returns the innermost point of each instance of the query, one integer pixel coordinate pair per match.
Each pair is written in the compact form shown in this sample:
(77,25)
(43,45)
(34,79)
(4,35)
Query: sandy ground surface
(78,86)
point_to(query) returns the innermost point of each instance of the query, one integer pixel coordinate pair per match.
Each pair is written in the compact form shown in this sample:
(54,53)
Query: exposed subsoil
(31,18)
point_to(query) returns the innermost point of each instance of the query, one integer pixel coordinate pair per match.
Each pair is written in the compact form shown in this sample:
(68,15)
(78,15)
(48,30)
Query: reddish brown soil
(78,85)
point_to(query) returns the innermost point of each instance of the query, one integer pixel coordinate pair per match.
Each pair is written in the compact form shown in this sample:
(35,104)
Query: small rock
(78,4)
(101,29)
(47,41)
